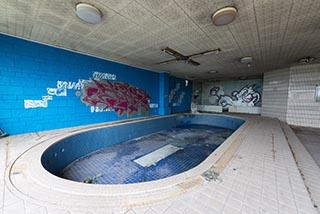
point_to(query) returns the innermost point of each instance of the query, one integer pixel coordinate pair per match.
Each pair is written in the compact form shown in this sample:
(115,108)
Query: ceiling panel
(275,32)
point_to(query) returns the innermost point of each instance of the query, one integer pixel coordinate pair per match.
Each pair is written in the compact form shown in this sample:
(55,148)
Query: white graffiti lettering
(57,92)
(71,85)
(66,85)
(98,109)
(79,85)
(37,103)
(61,90)
(181,98)
(47,97)
(62,87)
(105,76)
(173,92)
(153,105)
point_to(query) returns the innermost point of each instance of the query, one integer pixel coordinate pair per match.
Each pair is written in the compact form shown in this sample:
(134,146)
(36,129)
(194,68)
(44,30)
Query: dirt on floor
(310,138)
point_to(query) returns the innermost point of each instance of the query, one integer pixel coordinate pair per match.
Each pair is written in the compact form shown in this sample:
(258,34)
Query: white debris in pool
(157,155)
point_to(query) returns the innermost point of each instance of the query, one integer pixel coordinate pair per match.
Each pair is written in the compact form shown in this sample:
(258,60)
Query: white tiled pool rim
(27,171)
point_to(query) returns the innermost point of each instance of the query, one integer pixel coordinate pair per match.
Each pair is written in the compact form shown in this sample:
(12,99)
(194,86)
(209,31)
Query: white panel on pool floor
(157,155)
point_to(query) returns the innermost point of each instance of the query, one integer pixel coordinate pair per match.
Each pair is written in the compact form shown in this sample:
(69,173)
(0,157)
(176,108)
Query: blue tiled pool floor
(116,163)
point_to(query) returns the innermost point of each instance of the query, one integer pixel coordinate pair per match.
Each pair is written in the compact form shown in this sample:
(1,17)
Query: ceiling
(275,32)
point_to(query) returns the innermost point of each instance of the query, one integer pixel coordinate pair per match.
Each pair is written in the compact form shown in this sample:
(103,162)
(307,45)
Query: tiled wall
(288,94)
(303,110)
(275,93)
(27,69)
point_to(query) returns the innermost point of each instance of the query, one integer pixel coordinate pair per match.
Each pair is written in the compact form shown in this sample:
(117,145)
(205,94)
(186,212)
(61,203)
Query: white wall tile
(288,94)
(275,94)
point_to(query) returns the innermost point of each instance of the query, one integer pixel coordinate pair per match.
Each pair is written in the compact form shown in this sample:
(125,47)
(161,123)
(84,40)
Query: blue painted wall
(180,95)
(27,69)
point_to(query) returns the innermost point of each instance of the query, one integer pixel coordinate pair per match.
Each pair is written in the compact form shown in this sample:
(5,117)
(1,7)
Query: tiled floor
(261,177)
(308,168)
(310,138)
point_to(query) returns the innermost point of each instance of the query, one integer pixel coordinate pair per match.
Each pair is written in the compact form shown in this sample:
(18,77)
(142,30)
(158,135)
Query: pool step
(157,155)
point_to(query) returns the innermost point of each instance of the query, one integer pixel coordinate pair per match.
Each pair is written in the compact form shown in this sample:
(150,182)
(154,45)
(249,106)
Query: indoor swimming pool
(151,157)
(139,150)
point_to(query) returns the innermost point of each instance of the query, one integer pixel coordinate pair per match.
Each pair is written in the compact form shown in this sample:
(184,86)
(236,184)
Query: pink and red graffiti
(119,96)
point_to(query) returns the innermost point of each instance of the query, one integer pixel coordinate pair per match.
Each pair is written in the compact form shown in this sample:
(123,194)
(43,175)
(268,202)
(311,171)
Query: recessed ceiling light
(212,72)
(224,16)
(243,78)
(88,13)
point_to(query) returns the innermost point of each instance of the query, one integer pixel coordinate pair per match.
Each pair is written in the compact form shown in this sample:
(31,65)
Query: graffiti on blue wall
(246,96)
(101,95)
(117,96)
(173,96)
(61,90)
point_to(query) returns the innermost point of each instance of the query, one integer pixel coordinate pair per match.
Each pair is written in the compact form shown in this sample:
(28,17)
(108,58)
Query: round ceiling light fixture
(224,16)
(247,60)
(88,13)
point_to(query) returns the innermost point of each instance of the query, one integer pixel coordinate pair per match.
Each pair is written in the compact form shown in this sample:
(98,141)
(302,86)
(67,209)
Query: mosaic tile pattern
(116,163)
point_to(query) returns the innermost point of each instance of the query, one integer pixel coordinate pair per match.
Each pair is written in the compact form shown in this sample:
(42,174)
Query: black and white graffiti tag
(246,96)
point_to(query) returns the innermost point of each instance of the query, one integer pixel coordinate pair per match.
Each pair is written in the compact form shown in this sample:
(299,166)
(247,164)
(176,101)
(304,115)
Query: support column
(164,108)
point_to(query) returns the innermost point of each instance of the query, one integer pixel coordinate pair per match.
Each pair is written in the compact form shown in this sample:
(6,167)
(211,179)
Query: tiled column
(164,108)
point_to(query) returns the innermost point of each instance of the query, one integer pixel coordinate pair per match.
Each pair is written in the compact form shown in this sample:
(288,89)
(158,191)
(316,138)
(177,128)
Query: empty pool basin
(39,174)
(139,151)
